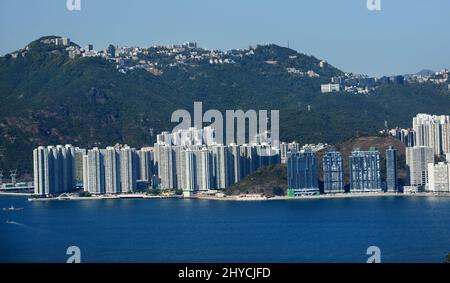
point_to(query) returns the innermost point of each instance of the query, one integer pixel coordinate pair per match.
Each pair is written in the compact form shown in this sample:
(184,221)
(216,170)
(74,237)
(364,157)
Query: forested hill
(48,98)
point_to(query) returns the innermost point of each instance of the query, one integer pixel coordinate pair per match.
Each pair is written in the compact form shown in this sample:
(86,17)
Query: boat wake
(31,228)
(15,223)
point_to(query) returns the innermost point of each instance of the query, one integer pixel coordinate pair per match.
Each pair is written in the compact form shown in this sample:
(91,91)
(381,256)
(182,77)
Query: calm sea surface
(406,229)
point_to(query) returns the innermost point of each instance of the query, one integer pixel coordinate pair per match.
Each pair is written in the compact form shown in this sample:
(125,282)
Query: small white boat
(12,208)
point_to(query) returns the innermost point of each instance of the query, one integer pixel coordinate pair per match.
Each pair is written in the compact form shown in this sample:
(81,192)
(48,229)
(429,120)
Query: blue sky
(405,36)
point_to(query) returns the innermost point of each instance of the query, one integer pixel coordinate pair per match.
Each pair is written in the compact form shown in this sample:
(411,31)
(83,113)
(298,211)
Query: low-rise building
(327,88)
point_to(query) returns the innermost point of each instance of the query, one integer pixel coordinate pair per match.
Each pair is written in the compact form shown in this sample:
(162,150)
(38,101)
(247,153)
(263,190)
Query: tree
(154,191)
(278,191)
(84,194)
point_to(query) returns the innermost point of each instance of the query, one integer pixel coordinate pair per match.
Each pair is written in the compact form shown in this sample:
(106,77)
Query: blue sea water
(406,229)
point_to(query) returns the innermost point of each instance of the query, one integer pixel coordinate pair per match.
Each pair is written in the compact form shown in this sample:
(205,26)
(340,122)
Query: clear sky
(404,37)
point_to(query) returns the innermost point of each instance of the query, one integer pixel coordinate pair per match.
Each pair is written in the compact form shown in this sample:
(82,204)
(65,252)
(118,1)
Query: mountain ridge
(48,98)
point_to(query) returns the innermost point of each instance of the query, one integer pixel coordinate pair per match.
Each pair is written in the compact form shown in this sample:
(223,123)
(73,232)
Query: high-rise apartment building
(285,148)
(41,171)
(204,168)
(146,163)
(248,162)
(333,180)
(433,131)
(302,173)
(79,153)
(235,156)
(417,160)
(365,171)
(391,170)
(54,171)
(223,170)
(189,172)
(95,183)
(166,168)
(128,168)
(179,159)
(112,170)
(438,178)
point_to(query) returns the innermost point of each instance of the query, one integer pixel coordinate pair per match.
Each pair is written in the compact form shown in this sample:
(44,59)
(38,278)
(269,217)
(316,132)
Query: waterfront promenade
(249,197)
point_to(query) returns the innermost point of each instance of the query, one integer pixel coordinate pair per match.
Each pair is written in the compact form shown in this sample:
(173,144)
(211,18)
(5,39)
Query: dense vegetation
(48,98)
(268,181)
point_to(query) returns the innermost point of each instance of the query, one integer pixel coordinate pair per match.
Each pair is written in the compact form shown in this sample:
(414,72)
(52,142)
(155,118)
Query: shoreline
(15,194)
(249,198)
(103,197)
(324,196)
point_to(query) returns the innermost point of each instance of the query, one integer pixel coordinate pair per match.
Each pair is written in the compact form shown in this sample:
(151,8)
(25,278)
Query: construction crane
(13,174)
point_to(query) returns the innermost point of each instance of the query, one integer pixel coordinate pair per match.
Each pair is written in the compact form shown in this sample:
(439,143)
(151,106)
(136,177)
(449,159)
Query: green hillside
(48,98)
